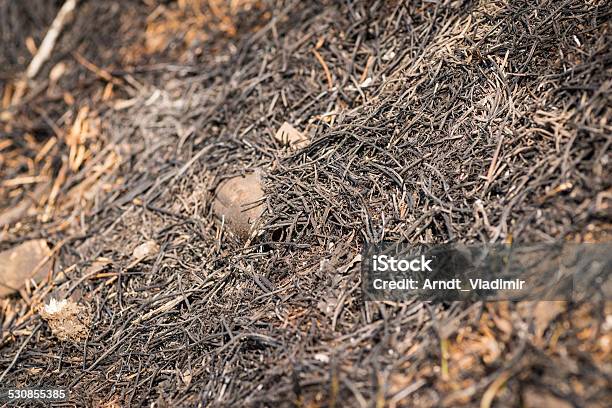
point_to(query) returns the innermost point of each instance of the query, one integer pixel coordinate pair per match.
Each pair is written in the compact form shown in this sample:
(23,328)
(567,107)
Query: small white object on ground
(68,321)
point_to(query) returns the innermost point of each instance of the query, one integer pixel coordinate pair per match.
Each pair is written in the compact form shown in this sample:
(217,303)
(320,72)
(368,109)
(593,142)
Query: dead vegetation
(471,121)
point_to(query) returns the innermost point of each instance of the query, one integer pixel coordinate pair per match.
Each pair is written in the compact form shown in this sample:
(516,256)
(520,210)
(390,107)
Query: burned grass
(427,122)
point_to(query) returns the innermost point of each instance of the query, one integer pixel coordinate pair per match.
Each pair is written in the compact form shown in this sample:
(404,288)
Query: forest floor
(425,122)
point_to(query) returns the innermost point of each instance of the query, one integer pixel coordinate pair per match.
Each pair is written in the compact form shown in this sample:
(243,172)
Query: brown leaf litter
(29,260)
(289,136)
